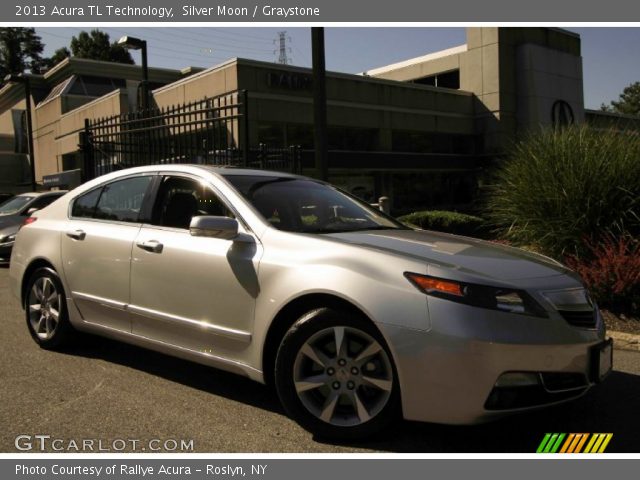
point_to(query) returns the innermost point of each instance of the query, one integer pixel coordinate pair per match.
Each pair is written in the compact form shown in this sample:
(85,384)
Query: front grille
(582,319)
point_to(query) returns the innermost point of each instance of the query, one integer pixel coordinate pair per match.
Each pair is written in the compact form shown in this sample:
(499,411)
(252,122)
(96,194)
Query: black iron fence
(212,131)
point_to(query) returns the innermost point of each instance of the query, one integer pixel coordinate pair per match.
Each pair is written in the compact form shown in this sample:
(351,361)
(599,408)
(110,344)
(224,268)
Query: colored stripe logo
(574,443)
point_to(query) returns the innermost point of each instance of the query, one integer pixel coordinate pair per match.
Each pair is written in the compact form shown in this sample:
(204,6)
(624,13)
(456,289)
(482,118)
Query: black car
(13,212)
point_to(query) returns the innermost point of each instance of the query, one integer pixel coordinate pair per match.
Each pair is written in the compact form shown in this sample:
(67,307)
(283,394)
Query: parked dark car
(5,196)
(13,212)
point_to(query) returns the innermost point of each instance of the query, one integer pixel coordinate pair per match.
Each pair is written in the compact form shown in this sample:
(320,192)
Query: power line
(207,32)
(217,45)
(235,49)
(158,48)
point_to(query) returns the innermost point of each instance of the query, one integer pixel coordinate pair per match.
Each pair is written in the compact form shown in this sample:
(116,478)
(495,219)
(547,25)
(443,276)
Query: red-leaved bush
(611,272)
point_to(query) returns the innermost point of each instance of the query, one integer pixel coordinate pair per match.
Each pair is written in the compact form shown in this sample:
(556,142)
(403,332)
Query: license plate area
(601,360)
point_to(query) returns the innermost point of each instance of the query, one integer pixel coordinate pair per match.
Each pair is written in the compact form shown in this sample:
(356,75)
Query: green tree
(97,46)
(628,102)
(59,55)
(20,50)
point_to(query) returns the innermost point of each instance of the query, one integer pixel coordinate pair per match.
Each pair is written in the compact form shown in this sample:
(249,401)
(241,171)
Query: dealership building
(420,131)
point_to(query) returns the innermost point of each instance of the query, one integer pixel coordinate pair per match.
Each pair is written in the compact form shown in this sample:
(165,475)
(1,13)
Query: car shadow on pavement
(608,408)
(194,375)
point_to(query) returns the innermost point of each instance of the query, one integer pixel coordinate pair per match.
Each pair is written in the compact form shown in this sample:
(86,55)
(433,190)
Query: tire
(46,310)
(335,376)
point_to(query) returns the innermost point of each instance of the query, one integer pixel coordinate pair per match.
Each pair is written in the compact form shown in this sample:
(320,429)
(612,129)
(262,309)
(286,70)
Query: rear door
(96,249)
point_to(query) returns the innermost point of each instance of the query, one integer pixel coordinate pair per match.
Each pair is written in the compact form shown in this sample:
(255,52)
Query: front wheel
(335,376)
(46,310)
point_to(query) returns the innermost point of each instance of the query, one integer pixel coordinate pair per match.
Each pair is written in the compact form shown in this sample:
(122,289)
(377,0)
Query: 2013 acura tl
(353,316)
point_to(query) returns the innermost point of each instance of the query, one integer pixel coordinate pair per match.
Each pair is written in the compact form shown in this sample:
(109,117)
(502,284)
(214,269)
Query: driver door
(197,293)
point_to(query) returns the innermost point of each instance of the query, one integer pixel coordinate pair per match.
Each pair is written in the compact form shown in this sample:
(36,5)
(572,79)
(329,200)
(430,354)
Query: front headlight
(483,296)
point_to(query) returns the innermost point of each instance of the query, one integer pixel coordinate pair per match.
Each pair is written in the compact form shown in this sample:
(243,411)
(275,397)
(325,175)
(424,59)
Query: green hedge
(444,221)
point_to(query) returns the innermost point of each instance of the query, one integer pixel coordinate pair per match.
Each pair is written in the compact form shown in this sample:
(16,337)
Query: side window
(85,205)
(181,198)
(121,200)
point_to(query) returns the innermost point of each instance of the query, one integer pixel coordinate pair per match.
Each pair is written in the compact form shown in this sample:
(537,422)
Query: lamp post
(134,43)
(27,93)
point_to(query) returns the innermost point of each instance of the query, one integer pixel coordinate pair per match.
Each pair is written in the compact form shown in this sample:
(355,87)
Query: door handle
(76,234)
(150,246)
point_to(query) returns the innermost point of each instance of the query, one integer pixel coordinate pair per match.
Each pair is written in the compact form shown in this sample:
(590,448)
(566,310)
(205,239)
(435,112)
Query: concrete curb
(625,341)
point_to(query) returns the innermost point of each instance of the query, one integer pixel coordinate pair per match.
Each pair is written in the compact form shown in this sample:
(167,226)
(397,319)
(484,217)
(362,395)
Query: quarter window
(120,201)
(85,205)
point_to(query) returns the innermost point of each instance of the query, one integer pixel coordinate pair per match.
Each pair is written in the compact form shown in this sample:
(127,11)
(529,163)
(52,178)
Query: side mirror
(31,211)
(215,227)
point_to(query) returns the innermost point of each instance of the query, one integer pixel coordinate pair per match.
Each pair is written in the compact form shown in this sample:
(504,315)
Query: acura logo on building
(561,113)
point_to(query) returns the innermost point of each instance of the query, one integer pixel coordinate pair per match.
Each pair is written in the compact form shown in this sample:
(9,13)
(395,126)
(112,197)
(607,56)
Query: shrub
(611,272)
(558,186)
(443,221)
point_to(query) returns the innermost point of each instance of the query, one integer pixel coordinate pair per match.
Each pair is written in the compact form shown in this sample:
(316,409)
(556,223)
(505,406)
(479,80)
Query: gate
(211,131)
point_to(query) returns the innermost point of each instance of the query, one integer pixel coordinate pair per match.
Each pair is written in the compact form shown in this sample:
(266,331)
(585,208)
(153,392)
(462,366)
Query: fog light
(517,379)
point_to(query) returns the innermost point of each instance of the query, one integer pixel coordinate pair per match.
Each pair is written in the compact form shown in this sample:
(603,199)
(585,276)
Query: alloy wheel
(44,308)
(343,376)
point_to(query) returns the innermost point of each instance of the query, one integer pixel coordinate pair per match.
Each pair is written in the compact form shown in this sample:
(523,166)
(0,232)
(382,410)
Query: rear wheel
(46,310)
(335,376)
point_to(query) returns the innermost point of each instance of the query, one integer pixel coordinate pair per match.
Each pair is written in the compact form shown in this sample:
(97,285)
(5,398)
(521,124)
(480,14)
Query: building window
(413,142)
(353,139)
(445,80)
(299,134)
(95,86)
(434,190)
(426,142)
(272,134)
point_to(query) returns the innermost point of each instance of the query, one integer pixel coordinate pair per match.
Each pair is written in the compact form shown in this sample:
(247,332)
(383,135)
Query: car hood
(469,255)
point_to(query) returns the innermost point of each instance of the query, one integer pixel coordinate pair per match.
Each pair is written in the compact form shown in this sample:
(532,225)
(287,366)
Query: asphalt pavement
(119,396)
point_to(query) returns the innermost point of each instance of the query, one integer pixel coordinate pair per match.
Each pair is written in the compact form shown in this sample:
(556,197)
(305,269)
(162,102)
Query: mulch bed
(621,323)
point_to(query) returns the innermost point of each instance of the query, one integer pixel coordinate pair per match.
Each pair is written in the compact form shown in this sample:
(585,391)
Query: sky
(610,55)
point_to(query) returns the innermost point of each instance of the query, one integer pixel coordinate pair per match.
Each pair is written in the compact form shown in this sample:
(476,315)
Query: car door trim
(106,302)
(238,335)
(195,355)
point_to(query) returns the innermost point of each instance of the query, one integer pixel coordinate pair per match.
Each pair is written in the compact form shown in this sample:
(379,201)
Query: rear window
(13,205)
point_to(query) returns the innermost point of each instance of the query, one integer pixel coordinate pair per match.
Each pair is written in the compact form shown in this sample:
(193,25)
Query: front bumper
(448,374)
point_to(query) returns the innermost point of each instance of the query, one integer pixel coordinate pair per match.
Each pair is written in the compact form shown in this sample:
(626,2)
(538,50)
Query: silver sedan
(354,317)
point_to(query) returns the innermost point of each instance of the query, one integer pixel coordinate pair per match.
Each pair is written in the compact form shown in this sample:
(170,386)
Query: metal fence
(212,131)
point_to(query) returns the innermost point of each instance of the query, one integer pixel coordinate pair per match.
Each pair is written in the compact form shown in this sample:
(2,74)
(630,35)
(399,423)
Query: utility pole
(319,103)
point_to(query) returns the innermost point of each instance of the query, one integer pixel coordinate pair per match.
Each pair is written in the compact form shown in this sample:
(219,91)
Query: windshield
(306,206)
(14,204)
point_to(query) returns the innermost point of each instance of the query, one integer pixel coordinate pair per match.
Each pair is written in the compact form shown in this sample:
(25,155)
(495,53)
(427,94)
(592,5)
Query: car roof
(38,194)
(233,171)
